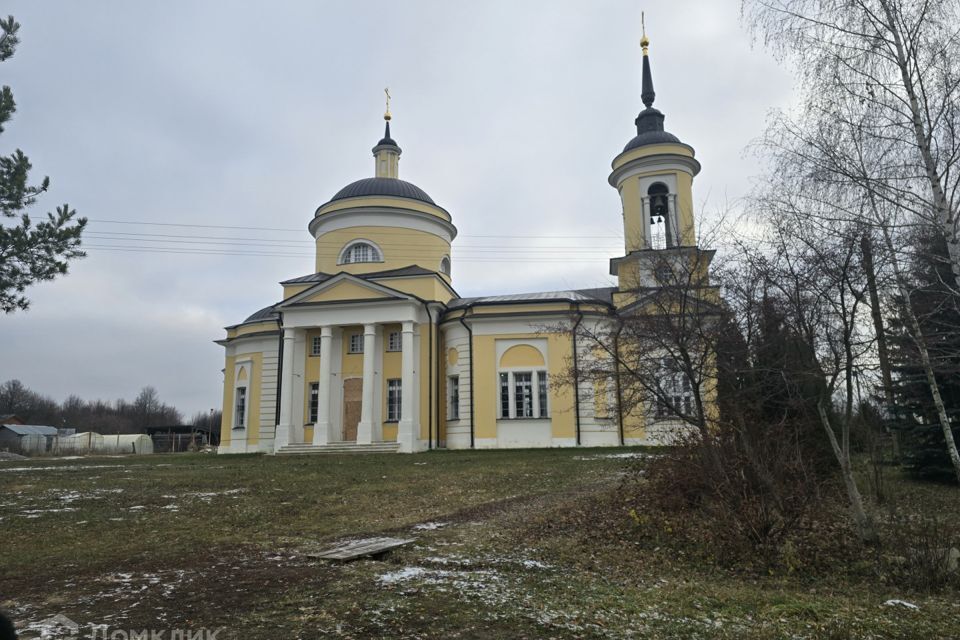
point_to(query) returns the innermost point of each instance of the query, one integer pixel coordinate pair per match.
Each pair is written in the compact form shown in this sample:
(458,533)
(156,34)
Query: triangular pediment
(344,287)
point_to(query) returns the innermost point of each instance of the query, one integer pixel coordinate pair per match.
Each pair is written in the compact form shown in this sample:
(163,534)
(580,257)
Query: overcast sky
(251,114)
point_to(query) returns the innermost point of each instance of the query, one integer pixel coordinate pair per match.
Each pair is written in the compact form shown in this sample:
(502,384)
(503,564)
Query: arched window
(360,251)
(445,266)
(660,223)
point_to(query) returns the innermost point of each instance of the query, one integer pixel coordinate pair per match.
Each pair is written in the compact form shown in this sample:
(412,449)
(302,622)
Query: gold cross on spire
(644,40)
(386,115)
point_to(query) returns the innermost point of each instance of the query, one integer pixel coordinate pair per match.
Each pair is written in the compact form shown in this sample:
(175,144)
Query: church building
(375,350)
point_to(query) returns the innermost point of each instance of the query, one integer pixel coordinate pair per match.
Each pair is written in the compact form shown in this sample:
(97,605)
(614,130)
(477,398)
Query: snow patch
(901,603)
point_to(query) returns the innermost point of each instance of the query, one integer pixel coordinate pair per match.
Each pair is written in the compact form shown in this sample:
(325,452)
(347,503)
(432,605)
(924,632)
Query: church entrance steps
(338,448)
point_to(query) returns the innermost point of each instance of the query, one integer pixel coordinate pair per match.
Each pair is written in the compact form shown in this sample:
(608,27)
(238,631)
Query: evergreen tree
(934,301)
(29,252)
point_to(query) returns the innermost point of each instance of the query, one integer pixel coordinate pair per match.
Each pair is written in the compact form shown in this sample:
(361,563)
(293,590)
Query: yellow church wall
(521,355)
(486,380)
(562,414)
(247,329)
(290,290)
(688,235)
(311,375)
(392,369)
(226,418)
(254,382)
(253,397)
(425,287)
(351,364)
(632,213)
(346,291)
(401,248)
(652,150)
(484,386)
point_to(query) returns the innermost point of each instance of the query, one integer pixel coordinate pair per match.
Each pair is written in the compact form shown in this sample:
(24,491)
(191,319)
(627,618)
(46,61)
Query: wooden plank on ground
(354,549)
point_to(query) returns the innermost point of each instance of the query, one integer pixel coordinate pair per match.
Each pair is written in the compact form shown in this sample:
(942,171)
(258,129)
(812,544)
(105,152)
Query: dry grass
(525,544)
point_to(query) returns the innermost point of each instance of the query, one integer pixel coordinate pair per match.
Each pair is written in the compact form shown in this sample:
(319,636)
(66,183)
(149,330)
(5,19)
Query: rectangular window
(356,343)
(315,346)
(504,395)
(523,394)
(240,410)
(393,400)
(542,392)
(394,341)
(453,398)
(677,393)
(314,401)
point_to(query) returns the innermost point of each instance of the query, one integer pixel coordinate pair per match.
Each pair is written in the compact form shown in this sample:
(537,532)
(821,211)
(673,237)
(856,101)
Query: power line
(226,252)
(216,226)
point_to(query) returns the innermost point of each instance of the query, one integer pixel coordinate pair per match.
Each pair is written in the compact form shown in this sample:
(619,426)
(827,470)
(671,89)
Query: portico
(346,381)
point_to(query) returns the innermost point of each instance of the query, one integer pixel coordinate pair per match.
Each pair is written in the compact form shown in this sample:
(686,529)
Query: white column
(408,431)
(535,391)
(282,437)
(321,430)
(365,429)
(297,417)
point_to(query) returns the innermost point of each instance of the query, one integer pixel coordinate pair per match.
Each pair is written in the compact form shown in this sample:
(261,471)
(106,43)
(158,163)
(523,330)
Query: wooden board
(352,404)
(360,548)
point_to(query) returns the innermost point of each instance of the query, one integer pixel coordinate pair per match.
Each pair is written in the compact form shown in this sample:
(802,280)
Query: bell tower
(654,177)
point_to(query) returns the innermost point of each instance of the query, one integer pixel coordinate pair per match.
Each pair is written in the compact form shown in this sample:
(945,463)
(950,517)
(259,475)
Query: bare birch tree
(876,137)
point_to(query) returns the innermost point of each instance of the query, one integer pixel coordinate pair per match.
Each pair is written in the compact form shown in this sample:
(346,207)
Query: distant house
(27,438)
(11,418)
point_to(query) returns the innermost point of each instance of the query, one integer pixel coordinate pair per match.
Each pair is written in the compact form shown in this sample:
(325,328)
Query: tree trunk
(866,529)
(946,217)
(866,248)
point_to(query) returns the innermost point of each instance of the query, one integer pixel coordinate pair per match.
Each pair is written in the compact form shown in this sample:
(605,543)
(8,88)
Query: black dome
(383,187)
(651,137)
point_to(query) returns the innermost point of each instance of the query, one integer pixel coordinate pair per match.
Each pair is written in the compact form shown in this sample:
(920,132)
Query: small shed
(26,438)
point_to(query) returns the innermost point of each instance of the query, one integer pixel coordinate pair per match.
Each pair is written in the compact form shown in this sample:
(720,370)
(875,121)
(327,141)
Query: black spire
(647,94)
(386,137)
(649,119)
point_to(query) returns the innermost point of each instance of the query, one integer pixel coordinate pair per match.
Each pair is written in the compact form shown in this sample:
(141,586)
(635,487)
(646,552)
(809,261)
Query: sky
(199,137)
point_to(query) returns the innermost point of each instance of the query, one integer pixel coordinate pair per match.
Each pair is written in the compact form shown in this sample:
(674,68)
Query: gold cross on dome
(386,116)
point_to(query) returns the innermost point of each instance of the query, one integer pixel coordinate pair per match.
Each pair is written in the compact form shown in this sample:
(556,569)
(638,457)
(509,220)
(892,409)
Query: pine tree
(922,444)
(29,252)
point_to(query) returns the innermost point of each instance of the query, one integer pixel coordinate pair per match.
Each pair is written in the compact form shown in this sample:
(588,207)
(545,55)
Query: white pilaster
(408,429)
(321,430)
(297,417)
(365,429)
(286,392)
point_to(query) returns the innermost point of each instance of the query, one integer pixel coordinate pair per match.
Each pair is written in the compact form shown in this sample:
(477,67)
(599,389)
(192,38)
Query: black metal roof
(602,294)
(651,137)
(267,313)
(393,187)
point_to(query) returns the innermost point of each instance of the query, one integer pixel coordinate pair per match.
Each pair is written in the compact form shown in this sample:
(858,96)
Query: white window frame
(678,388)
(241,401)
(346,256)
(355,343)
(445,265)
(536,373)
(313,409)
(453,397)
(394,341)
(394,399)
(315,345)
